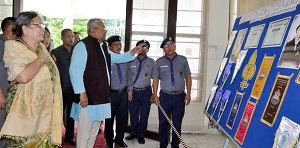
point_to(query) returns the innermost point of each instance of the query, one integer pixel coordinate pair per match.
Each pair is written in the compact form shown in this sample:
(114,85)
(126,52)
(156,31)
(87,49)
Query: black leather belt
(172,92)
(141,89)
(119,91)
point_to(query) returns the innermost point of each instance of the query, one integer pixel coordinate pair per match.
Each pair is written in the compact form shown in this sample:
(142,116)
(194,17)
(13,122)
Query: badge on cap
(170,39)
(144,41)
(120,39)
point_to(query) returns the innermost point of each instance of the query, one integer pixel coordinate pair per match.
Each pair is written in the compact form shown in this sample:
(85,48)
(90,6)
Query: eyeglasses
(101,29)
(39,25)
(169,45)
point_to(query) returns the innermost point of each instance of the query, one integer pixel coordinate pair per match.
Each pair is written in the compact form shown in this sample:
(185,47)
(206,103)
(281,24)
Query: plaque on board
(245,122)
(237,45)
(234,109)
(249,70)
(276,98)
(262,76)
(230,41)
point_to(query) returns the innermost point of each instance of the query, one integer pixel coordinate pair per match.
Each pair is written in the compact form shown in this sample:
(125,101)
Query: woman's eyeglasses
(39,25)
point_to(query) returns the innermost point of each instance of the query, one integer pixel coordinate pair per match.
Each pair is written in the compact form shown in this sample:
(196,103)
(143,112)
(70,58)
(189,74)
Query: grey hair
(92,23)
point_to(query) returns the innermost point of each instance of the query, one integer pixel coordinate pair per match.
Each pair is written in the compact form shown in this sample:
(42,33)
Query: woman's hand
(43,57)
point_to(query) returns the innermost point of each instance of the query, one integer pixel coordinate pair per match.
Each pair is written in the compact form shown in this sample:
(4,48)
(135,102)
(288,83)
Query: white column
(68,14)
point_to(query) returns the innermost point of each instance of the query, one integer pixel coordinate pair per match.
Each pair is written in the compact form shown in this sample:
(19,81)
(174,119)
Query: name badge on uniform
(164,66)
(132,66)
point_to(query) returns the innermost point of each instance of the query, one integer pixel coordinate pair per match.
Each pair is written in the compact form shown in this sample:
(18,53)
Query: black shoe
(122,144)
(130,137)
(175,146)
(109,145)
(141,140)
(71,141)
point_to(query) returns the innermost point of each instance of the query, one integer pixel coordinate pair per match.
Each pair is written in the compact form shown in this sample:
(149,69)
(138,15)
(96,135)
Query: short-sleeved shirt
(146,74)
(163,72)
(115,79)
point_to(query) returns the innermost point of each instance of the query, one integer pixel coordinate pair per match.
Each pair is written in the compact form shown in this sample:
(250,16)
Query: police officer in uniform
(140,92)
(174,74)
(119,97)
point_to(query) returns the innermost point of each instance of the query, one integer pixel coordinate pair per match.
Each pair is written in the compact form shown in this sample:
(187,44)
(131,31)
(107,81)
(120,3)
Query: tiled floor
(215,140)
(191,140)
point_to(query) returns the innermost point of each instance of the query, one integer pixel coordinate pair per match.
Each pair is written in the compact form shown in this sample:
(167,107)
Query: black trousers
(119,109)
(68,97)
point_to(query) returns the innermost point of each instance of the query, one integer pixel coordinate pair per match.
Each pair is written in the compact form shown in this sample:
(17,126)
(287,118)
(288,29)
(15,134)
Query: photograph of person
(237,46)
(290,56)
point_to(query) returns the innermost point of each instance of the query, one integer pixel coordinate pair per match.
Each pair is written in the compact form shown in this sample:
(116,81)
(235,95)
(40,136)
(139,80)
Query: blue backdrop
(260,135)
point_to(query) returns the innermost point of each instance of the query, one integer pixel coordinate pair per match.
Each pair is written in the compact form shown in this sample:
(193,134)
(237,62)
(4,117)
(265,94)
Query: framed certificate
(276,32)
(254,36)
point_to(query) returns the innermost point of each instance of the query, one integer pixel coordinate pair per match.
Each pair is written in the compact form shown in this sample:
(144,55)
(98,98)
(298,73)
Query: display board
(258,83)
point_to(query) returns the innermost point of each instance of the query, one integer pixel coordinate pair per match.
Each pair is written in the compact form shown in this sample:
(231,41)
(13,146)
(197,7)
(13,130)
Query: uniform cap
(143,41)
(113,38)
(166,40)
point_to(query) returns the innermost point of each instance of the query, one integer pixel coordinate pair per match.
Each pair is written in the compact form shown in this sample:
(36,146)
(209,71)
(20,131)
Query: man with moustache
(90,76)
(62,57)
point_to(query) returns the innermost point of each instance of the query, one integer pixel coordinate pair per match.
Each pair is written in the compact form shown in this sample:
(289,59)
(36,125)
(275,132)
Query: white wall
(218,22)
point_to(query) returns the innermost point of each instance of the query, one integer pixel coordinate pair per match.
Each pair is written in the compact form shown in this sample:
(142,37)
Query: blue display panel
(259,80)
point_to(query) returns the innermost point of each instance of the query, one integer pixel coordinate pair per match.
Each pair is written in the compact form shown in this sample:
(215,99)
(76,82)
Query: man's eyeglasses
(39,25)
(169,45)
(101,29)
